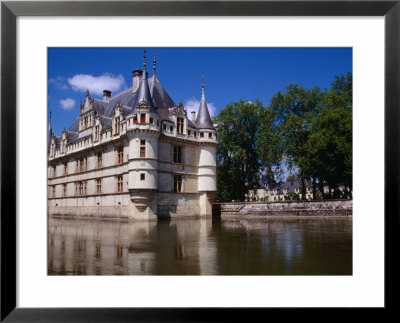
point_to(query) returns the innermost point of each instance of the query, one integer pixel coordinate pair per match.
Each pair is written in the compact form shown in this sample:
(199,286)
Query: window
(81,188)
(179,124)
(164,126)
(98,186)
(99,160)
(142,148)
(210,135)
(120,155)
(189,132)
(54,171)
(135,119)
(83,164)
(120,184)
(151,120)
(142,118)
(158,123)
(177,183)
(194,133)
(177,154)
(76,188)
(65,168)
(201,134)
(116,125)
(142,177)
(97,133)
(64,189)
(171,128)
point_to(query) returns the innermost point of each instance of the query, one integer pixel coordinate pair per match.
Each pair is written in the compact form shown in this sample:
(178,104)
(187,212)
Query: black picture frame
(10,10)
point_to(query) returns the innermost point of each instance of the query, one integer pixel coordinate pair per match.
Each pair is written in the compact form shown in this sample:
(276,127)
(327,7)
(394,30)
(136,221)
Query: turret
(207,176)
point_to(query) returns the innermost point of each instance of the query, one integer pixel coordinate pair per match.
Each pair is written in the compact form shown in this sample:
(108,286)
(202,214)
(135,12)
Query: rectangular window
(116,125)
(158,123)
(97,133)
(120,184)
(64,189)
(151,120)
(120,155)
(142,148)
(179,123)
(194,133)
(171,128)
(99,160)
(164,126)
(142,177)
(134,119)
(142,118)
(210,135)
(98,186)
(177,154)
(85,187)
(201,134)
(177,183)
(189,132)
(81,188)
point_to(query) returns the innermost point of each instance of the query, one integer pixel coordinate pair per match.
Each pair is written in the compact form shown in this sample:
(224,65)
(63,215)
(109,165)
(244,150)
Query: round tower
(207,171)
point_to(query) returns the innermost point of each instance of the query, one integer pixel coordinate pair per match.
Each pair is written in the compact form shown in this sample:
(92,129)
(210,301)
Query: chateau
(135,154)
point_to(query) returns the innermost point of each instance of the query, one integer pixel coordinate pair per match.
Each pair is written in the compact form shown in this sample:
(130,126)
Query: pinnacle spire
(154,64)
(144,62)
(203,97)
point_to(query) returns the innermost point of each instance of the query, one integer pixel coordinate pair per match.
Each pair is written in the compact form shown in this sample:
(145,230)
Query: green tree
(295,109)
(237,160)
(330,142)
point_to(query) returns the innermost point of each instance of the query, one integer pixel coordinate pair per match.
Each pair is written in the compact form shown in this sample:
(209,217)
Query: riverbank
(319,208)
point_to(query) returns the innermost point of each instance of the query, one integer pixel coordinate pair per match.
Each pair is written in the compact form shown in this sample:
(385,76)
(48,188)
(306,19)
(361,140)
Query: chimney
(106,95)
(136,75)
(193,116)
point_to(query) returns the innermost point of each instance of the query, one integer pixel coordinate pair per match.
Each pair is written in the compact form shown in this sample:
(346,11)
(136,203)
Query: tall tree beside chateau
(237,160)
(295,110)
(330,142)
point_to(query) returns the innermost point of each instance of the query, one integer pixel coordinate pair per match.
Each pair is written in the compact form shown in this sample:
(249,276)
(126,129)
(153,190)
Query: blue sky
(231,74)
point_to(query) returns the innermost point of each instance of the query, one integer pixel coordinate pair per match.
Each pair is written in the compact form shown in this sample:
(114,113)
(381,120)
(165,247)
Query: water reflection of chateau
(200,247)
(135,154)
(104,248)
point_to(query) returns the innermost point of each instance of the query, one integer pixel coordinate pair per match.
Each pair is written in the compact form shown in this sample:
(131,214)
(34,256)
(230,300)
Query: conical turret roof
(203,120)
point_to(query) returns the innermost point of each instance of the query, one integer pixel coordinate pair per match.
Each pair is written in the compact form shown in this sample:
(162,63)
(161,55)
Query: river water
(301,246)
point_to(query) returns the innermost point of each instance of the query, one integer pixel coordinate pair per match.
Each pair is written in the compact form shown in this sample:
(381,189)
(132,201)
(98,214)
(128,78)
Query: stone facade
(134,155)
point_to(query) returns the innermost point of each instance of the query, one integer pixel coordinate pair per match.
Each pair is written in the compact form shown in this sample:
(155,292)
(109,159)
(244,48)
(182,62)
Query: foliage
(307,129)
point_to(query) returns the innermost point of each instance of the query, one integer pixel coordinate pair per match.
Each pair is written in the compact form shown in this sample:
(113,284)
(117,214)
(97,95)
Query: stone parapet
(284,208)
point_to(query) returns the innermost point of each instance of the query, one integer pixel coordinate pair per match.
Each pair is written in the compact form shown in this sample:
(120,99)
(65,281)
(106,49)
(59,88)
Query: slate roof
(160,101)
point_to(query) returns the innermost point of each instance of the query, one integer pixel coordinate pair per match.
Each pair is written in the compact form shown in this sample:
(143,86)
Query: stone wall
(284,208)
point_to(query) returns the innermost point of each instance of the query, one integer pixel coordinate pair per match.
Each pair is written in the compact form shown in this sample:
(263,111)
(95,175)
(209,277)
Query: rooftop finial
(154,64)
(49,116)
(144,62)
(203,97)
(87,92)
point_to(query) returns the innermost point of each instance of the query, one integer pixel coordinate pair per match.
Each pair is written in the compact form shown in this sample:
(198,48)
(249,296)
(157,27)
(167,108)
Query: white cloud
(193,104)
(59,82)
(96,84)
(67,104)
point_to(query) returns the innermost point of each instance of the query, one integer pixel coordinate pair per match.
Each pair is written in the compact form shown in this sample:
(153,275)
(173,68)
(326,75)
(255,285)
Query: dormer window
(135,120)
(97,133)
(171,128)
(142,118)
(201,134)
(179,124)
(210,135)
(116,125)
(151,120)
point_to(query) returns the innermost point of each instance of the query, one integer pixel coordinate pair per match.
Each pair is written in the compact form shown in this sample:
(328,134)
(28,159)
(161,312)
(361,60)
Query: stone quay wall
(284,208)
